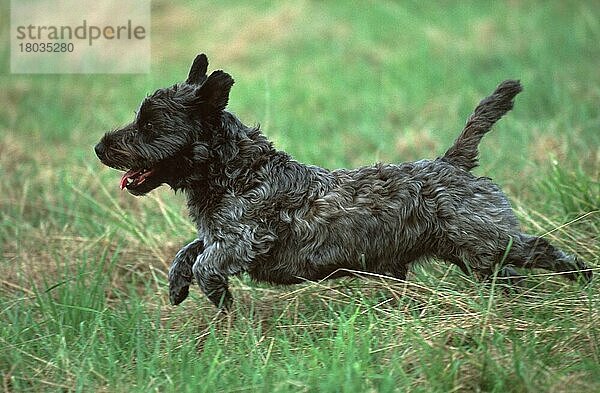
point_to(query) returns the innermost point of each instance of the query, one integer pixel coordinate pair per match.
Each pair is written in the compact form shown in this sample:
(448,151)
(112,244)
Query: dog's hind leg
(506,274)
(180,273)
(534,252)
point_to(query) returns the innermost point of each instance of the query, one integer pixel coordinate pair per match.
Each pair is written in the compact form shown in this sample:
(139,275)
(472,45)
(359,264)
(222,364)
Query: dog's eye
(148,126)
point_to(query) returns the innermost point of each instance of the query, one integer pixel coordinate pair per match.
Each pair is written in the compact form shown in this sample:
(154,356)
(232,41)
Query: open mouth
(133,178)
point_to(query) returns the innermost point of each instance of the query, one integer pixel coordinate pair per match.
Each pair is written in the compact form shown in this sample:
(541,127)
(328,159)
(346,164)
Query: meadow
(83,287)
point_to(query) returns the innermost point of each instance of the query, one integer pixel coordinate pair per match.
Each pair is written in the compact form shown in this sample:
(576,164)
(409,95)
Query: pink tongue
(127,175)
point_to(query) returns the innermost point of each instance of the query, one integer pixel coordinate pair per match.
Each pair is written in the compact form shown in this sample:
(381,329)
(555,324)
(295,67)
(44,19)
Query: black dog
(259,211)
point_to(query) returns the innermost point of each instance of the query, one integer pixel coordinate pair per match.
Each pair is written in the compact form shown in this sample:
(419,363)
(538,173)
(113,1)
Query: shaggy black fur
(259,211)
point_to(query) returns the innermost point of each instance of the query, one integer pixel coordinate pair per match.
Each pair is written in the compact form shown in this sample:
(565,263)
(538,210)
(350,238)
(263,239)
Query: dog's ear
(215,91)
(197,74)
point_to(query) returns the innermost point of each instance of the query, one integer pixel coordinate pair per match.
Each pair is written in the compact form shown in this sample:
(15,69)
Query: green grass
(83,289)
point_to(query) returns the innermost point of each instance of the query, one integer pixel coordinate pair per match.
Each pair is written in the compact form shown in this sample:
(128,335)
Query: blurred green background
(336,84)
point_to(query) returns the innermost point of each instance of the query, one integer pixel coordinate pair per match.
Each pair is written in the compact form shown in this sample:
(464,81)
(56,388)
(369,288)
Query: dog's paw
(179,280)
(514,282)
(178,293)
(222,300)
(575,269)
(584,273)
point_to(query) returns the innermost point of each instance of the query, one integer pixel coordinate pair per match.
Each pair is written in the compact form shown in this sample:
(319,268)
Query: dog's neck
(237,154)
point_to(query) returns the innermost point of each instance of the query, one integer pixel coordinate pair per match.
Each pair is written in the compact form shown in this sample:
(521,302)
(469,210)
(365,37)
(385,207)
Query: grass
(83,267)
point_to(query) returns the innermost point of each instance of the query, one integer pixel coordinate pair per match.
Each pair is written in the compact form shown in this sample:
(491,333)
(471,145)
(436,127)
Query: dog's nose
(100,149)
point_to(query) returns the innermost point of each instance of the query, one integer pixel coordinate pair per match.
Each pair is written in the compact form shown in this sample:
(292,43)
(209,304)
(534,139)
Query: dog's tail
(463,153)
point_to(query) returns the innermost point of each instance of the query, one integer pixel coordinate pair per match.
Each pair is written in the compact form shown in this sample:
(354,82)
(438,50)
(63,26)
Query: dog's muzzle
(100,150)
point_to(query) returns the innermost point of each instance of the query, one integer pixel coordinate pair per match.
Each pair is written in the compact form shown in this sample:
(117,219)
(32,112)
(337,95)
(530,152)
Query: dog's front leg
(211,270)
(180,273)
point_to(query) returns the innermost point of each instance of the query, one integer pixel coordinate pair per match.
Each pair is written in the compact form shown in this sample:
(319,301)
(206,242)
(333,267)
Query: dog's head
(169,139)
